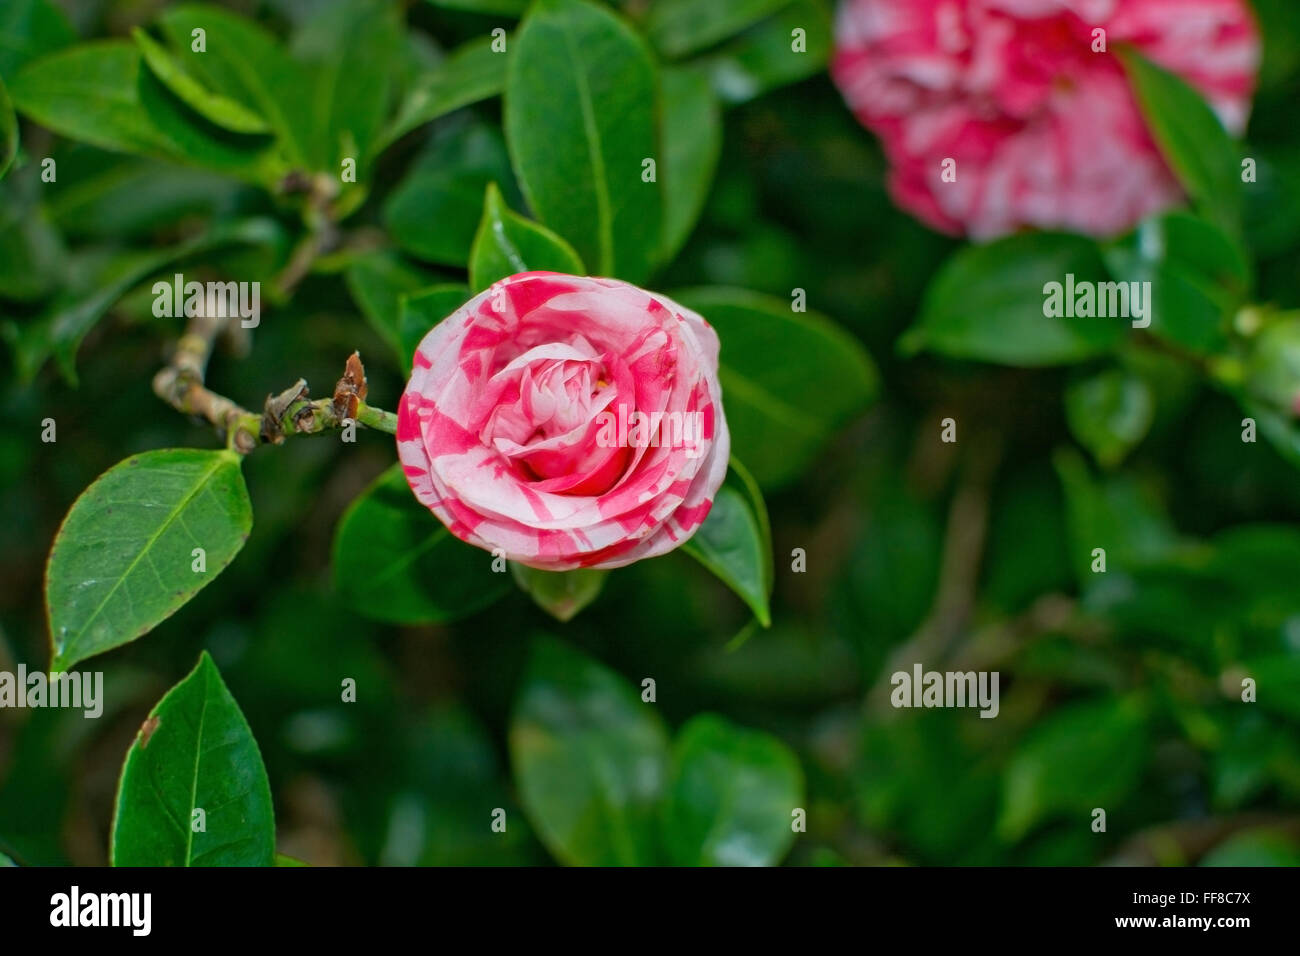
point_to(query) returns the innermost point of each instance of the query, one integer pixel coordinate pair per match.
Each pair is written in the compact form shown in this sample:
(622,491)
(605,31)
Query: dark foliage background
(1118,691)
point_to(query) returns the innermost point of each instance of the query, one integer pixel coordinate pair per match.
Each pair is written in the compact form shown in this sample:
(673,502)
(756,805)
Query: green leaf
(102,93)
(988,303)
(434,214)
(1115,514)
(590,759)
(61,330)
(561,594)
(1199,277)
(352,49)
(507,244)
(8,130)
(226,113)
(469,74)
(243,62)
(692,142)
(31,29)
(1081,756)
(1193,141)
(681,27)
(580,120)
(377,283)
(1109,413)
(764,57)
(732,795)
(282,859)
(395,561)
(421,311)
(733,543)
(124,560)
(195,752)
(790,379)
(129,198)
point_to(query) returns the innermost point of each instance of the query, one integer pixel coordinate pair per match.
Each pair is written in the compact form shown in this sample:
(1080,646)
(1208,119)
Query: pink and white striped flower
(503,430)
(1044,130)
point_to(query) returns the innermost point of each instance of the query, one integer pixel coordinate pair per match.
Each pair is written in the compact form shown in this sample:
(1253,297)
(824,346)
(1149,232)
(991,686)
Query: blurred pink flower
(1045,132)
(519,427)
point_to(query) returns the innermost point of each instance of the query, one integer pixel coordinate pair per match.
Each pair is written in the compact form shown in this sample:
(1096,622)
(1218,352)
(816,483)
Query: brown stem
(958,573)
(180,384)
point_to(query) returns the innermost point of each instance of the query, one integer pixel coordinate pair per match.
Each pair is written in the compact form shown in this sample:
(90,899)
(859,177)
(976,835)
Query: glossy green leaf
(988,303)
(767,56)
(352,50)
(561,594)
(692,143)
(59,332)
(790,379)
(732,796)
(102,93)
(469,74)
(243,62)
(8,130)
(434,214)
(31,29)
(394,561)
(1198,278)
(507,244)
(377,283)
(211,106)
(421,311)
(125,559)
(590,759)
(681,27)
(195,752)
(1189,134)
(1081,756)
(581,120)
(1109,413)
(733,543)
(127,197)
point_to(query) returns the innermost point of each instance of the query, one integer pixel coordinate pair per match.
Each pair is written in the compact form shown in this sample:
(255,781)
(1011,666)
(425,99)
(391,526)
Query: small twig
(958,573)
(181,384)
(322,232)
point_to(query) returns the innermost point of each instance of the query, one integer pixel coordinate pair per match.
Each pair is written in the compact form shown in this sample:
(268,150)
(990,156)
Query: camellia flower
(1042,125)
(569,422)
